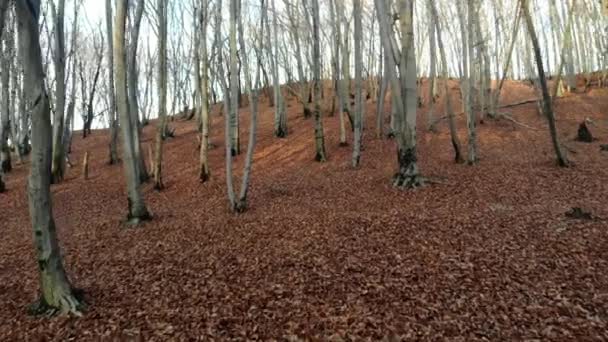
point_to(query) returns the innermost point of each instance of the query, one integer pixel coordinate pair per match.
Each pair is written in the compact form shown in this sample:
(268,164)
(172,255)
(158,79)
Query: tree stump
(584,134)
(85,166)
(579,214)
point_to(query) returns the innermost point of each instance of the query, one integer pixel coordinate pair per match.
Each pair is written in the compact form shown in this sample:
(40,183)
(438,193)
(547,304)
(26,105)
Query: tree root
(136,221)
(240,206)
(409,181)
(71,303)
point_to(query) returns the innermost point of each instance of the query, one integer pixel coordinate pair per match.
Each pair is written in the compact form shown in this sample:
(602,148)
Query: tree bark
(162,93)
(113,122)
(320,155)
(133,79)
(58,163)
(205,172)
(57,294)
(137,207)
(562,160)
(358,84)
(7,48)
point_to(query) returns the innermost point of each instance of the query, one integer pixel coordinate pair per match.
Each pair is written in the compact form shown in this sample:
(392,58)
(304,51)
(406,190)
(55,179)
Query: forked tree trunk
(320,155)
(134,90)
(57,294)
(137,207)
(562,160)
(404,95)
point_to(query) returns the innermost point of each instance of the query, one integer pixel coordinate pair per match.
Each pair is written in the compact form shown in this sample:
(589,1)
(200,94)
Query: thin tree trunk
(58,163)
(205,172)
(448,99)
(320,155)
(162,93)
(358,84)
(562,160)
(432,73)
(280,117)
(471,120)
(112,120)
(253,95)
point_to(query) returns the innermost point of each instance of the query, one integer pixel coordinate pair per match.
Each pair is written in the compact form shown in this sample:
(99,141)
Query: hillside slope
(325,250)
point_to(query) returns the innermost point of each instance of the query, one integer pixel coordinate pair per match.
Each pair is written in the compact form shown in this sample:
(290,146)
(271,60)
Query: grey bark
(320,154)
(358,83)
(7,48)
(205,172)
(133,79)
(162,93)
(57,294)
(112,120)
(136,205)
(58,163)
(562,159)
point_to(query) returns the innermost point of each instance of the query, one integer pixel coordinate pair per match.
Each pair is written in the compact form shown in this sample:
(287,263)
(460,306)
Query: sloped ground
(328,251)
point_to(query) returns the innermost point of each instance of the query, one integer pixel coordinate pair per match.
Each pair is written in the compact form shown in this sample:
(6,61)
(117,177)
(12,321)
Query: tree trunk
(241,204)
(320,155)
(358,84)
(112,121)
(162,93)
(433,71)
(562,160)
(137,207)
(57,294)
(134,90)
(469,108)
(280,117)
(448,99)
(58,163)
(7,48)
(205,172)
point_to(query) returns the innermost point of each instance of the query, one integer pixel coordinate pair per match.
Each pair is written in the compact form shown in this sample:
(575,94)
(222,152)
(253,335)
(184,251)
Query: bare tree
(562,160)
(133,78)
(404,91)
(113,122)
(7,49)
(58,165)
(205,172)
(240,204)
(162,92)
(321,155)
(57,294)
(358,83)
(137,207)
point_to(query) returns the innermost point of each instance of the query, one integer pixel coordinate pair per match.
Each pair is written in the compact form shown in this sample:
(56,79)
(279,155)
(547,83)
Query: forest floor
(329,252)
